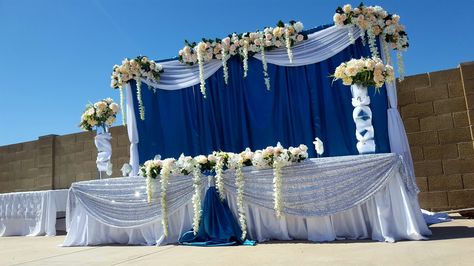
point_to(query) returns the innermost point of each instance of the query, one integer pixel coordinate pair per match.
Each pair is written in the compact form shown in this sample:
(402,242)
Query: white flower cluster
(136,69)
(276,157)
(265,158)
(244,45)
(375,21)
(365,71)
(99,114)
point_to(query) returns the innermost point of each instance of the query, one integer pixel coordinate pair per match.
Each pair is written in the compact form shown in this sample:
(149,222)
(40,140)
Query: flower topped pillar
(361,74)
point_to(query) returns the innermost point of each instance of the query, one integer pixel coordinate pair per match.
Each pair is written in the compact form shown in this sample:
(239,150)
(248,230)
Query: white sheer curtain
(132,130)
(396,130)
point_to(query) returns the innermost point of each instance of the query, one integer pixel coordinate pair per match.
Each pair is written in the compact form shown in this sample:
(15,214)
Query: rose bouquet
(101,114)
(365,71)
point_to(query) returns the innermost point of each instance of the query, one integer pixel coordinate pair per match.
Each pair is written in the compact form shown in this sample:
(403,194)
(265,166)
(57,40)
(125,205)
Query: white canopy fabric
(320,46)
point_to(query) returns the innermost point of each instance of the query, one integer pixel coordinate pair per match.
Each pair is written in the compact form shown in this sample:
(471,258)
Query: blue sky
(57,55)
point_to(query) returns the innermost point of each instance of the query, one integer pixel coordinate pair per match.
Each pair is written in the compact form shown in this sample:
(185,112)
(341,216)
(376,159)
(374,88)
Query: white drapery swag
(31,213)
(367,196)
(320,46)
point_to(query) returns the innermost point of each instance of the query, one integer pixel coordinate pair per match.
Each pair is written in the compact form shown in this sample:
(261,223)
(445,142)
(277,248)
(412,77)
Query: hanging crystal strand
(401,67)
(141,108)
(122,109)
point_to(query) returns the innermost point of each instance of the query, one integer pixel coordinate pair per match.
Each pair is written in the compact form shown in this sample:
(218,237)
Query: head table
(31,213)
(324,199)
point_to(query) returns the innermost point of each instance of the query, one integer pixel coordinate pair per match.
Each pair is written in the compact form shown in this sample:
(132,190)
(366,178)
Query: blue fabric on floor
(217,226)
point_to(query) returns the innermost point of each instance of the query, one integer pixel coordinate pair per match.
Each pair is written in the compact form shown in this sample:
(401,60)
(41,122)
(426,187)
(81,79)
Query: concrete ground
(452,243)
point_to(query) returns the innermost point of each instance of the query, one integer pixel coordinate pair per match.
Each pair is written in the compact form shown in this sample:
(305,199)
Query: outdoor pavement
(452,243)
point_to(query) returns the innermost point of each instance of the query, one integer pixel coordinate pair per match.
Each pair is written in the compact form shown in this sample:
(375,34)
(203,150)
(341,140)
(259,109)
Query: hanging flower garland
(167,169)
(244,45)
(221,163)
(201,162)
(136,69)
(375,21)
(150,169)
(264,62)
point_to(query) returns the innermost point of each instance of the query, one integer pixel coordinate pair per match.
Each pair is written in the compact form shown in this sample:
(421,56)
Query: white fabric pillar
(396,131)
(132,131)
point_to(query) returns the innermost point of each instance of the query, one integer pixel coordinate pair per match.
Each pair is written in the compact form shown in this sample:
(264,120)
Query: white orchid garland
(240,183)
(200,56)
(225,69)
(141,108)
(149,188)
(288,45)
(219,168)
(197,198)
(277,182)
(245,54)
(122,109)
(164,179)
(264,64)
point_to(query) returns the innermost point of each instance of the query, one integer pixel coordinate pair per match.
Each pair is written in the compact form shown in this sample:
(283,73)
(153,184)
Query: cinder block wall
(437,109)
(54,162)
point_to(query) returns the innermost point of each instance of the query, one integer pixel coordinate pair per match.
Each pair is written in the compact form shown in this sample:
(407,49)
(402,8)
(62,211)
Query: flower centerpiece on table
(137,69)
(374,21)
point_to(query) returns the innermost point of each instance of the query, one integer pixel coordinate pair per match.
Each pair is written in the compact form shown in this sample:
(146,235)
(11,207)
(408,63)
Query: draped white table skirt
(31,213)
(389,215)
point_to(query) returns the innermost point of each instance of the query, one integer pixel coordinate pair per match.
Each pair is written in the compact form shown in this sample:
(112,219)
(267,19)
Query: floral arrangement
(136,69)
(99,114)
(243,45)
(270,157)
(375,21)
(365,71)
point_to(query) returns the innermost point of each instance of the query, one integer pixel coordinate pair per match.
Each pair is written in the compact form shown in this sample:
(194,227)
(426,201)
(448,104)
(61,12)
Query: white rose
(347,8)
(298,26)
(212,158)
(201,159)
(303,147)
(114,107)
(351,71)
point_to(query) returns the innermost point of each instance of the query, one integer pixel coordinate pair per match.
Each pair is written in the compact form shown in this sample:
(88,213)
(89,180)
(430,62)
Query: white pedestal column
(362,116)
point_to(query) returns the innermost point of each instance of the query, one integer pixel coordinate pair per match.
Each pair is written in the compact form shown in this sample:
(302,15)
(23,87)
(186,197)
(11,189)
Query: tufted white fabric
(31,213)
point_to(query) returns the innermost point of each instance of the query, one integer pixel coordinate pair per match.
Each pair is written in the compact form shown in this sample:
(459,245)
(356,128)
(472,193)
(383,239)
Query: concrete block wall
(54,162)
(437,109)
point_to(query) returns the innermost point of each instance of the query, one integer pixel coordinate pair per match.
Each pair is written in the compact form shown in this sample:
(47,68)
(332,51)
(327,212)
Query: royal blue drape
(303,103)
